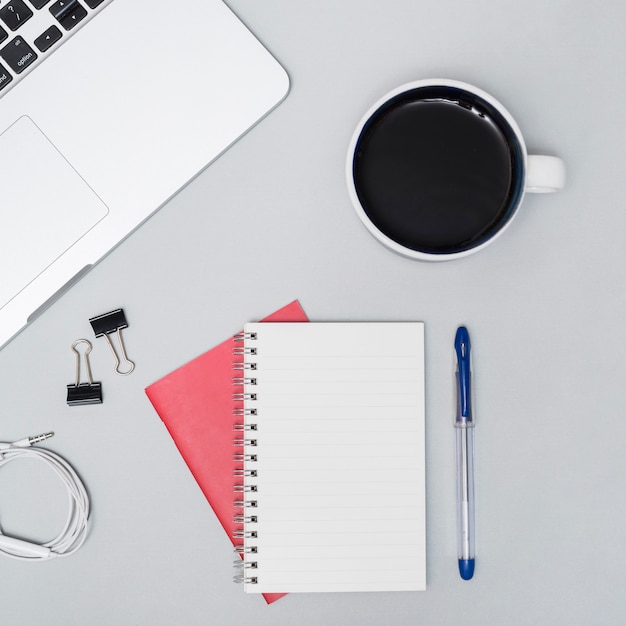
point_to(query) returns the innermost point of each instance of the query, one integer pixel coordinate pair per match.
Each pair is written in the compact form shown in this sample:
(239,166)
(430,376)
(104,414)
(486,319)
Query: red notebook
(196,405)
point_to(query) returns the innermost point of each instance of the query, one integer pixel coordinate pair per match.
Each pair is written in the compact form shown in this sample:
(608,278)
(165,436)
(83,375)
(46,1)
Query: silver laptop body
(106,124)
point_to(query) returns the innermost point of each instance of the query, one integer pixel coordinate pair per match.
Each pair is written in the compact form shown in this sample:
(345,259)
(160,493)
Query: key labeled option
(18,55)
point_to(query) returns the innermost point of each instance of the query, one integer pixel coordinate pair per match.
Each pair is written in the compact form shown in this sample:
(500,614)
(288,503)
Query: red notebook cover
(195,403)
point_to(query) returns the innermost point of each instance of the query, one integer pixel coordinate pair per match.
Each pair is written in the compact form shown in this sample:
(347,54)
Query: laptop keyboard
(31,30)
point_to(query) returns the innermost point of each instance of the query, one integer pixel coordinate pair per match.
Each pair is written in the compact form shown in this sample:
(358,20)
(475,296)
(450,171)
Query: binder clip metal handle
(83,393)
(107,324)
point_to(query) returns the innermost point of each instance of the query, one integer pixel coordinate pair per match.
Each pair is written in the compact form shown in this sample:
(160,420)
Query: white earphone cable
(76,525)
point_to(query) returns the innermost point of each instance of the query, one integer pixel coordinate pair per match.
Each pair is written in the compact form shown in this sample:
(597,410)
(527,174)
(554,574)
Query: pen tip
(466,568)
(462,343)
(462,335)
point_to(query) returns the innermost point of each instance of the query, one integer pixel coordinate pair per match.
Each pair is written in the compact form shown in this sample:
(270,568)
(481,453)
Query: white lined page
(340,502)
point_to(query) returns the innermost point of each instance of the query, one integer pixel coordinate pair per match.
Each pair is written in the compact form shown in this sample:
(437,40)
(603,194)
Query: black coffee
(438,170)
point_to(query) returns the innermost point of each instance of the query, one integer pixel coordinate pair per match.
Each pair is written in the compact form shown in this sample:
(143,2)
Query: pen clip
(462,348)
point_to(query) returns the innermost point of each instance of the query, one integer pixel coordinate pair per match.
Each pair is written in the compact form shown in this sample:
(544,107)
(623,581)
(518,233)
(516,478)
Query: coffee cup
(437,169)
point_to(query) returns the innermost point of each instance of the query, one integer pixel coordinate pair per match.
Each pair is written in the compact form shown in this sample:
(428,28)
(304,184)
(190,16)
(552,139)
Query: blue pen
(464,427)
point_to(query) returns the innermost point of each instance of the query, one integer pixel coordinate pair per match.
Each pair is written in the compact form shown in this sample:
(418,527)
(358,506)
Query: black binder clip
(107,324)
(83,393)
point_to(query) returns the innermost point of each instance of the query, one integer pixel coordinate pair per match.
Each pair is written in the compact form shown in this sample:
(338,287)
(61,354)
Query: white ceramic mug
(437,169)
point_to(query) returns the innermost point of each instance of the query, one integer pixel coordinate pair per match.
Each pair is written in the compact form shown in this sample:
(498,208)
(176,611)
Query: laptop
(107,109)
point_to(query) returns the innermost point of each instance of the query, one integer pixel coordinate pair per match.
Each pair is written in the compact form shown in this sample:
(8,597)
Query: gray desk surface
(270,222)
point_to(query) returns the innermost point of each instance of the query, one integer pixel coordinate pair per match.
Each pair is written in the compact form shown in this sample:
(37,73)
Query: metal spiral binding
(244,381)
(244,366)
(244,504)
(240,472)
(244,458)
(244,488)
(240,397)
(241,549)
(238,350)
(249,580)
(243,441)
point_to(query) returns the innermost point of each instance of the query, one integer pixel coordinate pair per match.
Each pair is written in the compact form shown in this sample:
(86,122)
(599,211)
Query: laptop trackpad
(45,206)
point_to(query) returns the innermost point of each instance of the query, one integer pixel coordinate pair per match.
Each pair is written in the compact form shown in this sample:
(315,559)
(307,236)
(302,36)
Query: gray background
(270,222)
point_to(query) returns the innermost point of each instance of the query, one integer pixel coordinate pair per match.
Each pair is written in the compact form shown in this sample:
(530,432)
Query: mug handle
(544,174)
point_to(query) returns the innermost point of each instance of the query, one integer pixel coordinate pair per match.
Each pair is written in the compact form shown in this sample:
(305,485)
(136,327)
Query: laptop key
(18,55)
(48,38)
(5,77)
(15,13)
(92,4)
(39,4)
(68,13)
(3,34)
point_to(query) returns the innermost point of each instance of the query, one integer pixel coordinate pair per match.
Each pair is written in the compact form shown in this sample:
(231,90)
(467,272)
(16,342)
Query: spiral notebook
(195,404)
(330,456)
